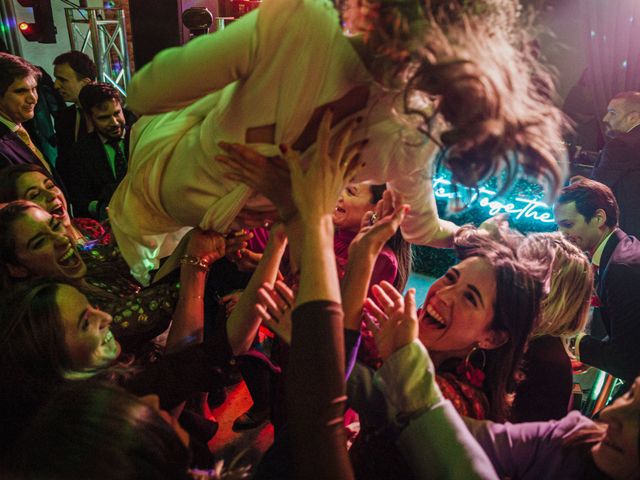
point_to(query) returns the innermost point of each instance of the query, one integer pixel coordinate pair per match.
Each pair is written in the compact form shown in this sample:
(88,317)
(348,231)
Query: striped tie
(24,136)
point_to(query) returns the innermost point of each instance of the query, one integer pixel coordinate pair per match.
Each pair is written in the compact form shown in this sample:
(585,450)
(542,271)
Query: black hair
(95,94)
(99,431)
(590,196)
(79,62)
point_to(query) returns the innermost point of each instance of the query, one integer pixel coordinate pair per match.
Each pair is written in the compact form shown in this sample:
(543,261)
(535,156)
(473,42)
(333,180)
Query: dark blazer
(88,176)
(618,287)
(13,151)
(65,125)
(618,167)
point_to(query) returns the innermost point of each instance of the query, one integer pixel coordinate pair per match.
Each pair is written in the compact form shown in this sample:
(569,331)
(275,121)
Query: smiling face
(86,331)
(354,201)
(41,190)
(585,235)
(108,119)
(19,101)
(43,248)
(459,308)
(617,453)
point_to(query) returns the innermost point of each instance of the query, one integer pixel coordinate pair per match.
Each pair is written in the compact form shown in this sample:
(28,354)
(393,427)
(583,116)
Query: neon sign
(518,207)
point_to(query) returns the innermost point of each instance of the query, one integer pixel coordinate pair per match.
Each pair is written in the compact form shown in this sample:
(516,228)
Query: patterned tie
(120,161)
(24,136)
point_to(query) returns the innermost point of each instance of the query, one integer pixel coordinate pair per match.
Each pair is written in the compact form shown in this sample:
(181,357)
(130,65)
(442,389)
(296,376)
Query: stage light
(198,20)
(42,29)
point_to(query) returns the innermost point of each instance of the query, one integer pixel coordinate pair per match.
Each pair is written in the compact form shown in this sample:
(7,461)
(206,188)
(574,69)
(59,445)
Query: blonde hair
(568,279)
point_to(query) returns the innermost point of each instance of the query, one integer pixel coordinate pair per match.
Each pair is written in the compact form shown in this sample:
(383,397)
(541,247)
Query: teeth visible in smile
(56,211)
(435,315)
(67,255)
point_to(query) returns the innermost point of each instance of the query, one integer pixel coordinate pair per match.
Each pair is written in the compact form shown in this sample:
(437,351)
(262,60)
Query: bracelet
(199,263)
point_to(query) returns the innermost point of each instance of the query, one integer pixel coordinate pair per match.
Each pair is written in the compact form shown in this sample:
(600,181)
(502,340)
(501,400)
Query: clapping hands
(397,320)
(380,224)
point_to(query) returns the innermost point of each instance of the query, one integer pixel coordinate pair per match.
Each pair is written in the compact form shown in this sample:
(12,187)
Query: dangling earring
(474,375)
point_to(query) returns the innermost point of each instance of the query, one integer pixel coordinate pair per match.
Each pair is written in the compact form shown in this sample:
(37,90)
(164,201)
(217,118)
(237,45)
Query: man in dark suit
(618,165)
(72,71)
(587,214)
(98,162)
(18,98)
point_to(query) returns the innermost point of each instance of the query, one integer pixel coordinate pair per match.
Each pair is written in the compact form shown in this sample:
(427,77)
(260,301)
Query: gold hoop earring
(467,359)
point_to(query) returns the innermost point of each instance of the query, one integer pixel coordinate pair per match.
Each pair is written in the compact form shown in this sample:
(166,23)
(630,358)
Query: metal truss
(101,33)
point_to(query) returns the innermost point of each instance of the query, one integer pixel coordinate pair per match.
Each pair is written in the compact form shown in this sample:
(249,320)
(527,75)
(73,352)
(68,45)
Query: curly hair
(478,60)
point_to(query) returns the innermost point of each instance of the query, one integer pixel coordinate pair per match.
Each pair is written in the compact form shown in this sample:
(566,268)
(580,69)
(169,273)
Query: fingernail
(283,148)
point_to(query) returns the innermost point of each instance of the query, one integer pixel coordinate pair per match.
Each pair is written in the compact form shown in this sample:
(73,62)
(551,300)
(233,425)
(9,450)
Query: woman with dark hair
(546,376)
(50,333)
(33,183)
(394,260)
(351,215)
(476,320)
(437,443)
(99,431)
(34,244)
(414,76)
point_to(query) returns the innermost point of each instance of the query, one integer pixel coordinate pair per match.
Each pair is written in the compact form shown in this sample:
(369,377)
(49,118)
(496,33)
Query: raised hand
(397,321)
(315,192)
(380,224)
(236,241)
(275,308)
(267,175)
(206,245)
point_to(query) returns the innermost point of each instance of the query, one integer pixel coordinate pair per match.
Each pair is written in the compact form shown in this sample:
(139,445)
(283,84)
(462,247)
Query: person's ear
(634,118)
(600,217)
(86,81)
(493,339)
(17,271)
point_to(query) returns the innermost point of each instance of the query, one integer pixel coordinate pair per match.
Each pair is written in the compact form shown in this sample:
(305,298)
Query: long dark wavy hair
(516,310)
(474,63)
(401,248)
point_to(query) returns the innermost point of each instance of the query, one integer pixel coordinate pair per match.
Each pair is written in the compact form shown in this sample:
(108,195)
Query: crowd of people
(271,177)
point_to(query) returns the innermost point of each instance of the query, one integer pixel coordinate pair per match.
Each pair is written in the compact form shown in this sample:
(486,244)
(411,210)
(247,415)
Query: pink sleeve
(386,268)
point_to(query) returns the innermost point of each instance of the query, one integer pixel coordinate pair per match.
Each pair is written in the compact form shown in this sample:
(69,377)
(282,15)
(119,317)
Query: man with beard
(618,165)
(98,162)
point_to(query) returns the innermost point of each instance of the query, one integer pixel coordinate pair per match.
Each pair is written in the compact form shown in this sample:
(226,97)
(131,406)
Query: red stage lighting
(43,29)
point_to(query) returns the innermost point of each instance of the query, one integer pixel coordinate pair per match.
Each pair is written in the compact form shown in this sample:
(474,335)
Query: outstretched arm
(316,390)
(363,253)
(243,322)
(188,317)
(178,76)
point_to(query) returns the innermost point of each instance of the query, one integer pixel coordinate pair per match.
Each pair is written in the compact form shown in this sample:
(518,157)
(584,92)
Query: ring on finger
(373,219)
